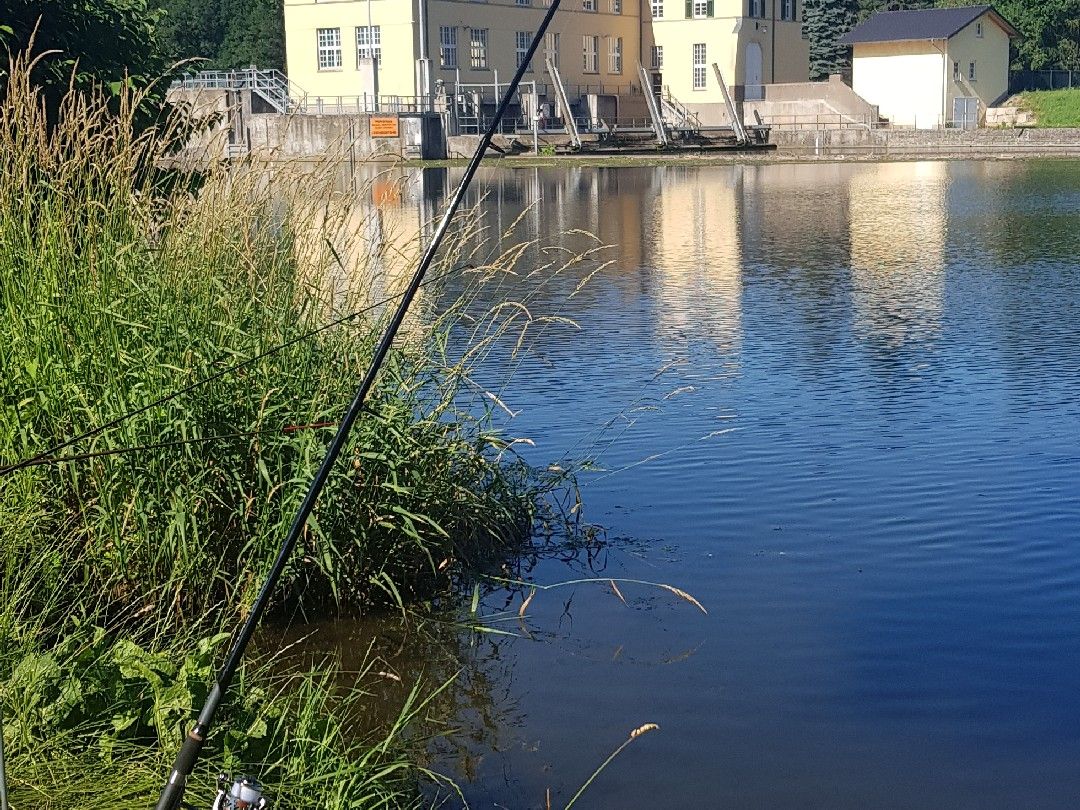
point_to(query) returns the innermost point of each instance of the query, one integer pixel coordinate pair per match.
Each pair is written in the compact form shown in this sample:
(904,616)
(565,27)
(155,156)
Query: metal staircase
(272,86)
(676,113)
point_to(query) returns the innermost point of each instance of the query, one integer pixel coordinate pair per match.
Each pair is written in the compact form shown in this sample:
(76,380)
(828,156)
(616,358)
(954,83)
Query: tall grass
(120,282)
(1053,108)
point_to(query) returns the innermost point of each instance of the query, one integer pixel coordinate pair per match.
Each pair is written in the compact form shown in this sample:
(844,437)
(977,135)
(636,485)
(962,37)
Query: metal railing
(676,113)
(823,121)
(365,103)
(272,86)
(603,89)
(283,96)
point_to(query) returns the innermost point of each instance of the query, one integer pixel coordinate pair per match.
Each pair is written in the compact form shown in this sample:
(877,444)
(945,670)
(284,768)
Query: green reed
(121,281)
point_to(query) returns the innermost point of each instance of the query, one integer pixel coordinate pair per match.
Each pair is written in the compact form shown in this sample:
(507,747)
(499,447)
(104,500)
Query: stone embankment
(989,142)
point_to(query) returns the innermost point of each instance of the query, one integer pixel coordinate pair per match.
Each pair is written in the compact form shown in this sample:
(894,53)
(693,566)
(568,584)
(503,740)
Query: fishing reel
(245,793)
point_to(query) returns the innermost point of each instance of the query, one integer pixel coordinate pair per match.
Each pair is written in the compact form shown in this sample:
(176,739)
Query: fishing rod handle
(173,793)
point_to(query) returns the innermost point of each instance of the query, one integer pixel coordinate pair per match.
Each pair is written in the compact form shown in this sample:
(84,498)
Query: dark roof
(930,23)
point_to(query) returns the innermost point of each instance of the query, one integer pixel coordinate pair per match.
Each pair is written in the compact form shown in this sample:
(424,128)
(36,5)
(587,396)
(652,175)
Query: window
(522,40)
(588,5)
(978,30)
(658,9)
(657,56)
(478,42)
(702,8)
(615,55)
(551,48)
(592,54)
(329,48)
(448,46)
(368,44)
(971,72)
(616,6)
(956,71)
(699,66)
(524,2)
(757,8)
(787,9)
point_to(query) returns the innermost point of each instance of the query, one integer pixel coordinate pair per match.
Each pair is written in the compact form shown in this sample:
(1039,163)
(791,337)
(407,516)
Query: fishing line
(173,793)
(51,452)
(219,437)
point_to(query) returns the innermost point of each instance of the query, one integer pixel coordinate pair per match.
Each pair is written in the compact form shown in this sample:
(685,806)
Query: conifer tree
(825,22)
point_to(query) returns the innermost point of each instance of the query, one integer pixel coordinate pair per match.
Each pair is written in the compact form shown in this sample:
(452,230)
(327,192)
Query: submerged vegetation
(125,564)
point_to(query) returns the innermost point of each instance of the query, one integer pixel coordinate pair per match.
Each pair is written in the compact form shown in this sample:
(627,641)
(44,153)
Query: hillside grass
(1053,108)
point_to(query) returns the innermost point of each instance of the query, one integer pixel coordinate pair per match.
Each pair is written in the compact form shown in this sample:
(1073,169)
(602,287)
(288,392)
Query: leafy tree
(1049,29)
(226,33)
(824,23)
(106,42)
(868,8)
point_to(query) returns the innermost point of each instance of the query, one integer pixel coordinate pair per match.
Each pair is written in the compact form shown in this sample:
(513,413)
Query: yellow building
(934,67)
(753,42)
(423,48)
(421,45)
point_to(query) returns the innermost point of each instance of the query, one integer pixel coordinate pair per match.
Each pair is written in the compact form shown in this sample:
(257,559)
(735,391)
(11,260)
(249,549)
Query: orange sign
(384,127)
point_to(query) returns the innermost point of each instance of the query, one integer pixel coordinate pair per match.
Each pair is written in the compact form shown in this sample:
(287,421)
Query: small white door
(754,72)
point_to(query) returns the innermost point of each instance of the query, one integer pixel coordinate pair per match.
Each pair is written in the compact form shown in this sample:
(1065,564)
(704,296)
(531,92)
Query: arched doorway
(754,72)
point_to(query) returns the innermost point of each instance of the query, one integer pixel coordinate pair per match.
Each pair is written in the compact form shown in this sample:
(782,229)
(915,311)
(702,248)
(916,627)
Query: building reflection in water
(695,249)
(899,226)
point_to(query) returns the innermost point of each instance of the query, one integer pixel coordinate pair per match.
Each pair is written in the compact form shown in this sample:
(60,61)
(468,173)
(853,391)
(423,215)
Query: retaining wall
(984,142)
(792,104)
(307,136)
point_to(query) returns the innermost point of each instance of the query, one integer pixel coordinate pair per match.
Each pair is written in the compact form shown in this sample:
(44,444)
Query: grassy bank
(122,573)
(1054,108)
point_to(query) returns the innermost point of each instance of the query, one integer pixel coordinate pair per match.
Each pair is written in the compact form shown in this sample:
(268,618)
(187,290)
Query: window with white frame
(524,2)
(757,8)
(699,66)
(787,9)
(658,9)
(329,40)
(448,46)
(972,75)
(616,6)
(657,56)
(615,55)
(591,46)
(551,47)
(702,8)
(588,5)
(478,48)
(368,43)
(956,71)
(978,30)
(522,40)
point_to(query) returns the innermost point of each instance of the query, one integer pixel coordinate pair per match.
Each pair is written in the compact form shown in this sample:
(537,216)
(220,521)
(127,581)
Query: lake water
(862,456)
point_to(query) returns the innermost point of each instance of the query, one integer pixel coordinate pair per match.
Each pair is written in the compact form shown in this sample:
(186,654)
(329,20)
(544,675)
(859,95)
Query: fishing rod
(3,776)
(173,792)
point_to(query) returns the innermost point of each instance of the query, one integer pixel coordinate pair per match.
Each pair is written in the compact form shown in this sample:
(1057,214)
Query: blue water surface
(840,405)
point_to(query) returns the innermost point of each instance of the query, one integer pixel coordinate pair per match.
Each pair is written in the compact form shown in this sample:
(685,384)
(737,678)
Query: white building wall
(904,79)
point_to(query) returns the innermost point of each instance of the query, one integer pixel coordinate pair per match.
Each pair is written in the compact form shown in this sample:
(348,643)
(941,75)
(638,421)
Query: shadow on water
(840,405)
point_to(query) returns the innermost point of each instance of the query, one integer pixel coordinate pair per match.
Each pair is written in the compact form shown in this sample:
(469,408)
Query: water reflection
(862,457)
(899,225)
